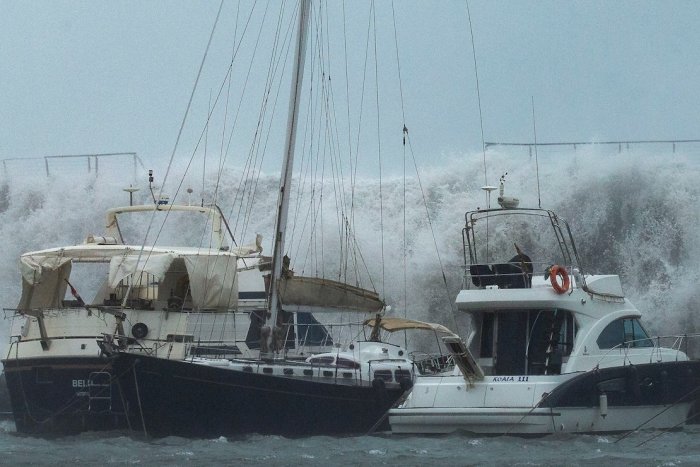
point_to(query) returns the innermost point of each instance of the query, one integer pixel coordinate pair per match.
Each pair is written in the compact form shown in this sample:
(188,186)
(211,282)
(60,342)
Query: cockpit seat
(482,275)
(515,274)
(512,276)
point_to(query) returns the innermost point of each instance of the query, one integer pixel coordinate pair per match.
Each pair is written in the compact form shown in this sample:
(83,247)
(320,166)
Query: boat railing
(510,275)
(11,313)
(657,347)
(431,364)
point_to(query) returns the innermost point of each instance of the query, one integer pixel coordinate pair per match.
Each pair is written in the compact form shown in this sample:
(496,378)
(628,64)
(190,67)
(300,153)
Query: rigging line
(379,144)
(138,399)
(331,149)
(405,274)
(320,147)
(238,109)
(223,83)
(189,103)
(537,164)
(405,132)
(663,432)
(305,168)
(478,91)
(487,193)
(325,128)
(359,121)
(206,141)
(222,156)
(172,155)
(304,175)
(312,146)
(234,53)
(336,157)
(347,106)
(432,232)
(252,160)
(258,146)
(683,398)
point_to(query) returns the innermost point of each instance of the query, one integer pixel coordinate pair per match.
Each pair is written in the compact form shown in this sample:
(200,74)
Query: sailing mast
(286,175)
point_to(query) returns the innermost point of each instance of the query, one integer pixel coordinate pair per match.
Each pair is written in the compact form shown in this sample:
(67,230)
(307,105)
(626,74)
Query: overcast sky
(91,77)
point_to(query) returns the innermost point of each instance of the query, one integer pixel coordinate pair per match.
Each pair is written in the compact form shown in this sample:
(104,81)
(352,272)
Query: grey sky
(85,76)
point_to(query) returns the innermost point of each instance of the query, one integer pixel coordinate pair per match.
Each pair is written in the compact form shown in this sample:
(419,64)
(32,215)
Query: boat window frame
(625,339)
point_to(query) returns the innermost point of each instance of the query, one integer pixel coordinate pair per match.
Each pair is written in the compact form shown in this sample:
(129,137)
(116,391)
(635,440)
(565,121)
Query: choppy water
(633,214)
(114,448)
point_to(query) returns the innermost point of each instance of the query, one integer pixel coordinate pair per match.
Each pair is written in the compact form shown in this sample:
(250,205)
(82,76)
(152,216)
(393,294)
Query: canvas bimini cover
(43,280)
(211,274)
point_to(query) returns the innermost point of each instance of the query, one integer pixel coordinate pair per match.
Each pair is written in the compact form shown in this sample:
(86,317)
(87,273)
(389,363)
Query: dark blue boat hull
(63,396)
(183,399)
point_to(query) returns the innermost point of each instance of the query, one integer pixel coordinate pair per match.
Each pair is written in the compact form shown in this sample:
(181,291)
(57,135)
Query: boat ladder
(100,391)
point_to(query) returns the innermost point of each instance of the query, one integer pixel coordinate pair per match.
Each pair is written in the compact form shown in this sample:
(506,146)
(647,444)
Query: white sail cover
(314,294)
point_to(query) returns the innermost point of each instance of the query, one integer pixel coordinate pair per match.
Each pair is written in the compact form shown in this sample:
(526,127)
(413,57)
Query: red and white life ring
(558,271)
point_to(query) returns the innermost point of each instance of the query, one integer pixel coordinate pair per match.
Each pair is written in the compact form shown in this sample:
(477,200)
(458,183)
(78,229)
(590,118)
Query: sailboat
(346,390)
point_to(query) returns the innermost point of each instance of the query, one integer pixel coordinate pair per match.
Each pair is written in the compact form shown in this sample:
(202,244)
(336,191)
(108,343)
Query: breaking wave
(633,213)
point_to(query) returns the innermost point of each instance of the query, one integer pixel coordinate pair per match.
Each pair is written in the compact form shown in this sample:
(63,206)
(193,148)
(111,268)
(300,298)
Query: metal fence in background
(72,164)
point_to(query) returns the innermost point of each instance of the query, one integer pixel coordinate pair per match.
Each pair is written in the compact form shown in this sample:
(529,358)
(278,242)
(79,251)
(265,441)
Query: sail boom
(298,293)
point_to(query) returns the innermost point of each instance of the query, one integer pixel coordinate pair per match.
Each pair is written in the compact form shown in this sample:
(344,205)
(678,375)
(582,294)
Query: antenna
(488,189)
(506,202)
(150,184)
(131,191)
(537,164)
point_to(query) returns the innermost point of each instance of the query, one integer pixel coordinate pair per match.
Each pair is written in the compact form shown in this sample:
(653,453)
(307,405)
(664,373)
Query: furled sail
(313,294)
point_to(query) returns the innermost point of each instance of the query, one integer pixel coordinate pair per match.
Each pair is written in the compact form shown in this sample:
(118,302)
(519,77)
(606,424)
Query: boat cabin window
(325,360)
(520,342)
(624,332)
(346,363)
(486,350)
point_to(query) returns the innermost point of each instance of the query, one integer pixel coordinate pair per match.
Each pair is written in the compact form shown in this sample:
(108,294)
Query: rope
(478,91)
(537,163)
(432,232)
(138,399)
(668,429)
(403,145)
(379,144)
(678,401)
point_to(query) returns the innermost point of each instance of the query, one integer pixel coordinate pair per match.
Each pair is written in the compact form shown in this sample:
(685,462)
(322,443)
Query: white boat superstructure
(208,300)
(552,349)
